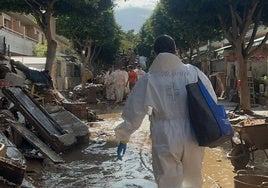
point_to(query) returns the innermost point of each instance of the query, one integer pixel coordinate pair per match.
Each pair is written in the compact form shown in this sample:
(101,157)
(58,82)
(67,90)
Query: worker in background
(109,85)
(119,84)
(139,71)
(132,77)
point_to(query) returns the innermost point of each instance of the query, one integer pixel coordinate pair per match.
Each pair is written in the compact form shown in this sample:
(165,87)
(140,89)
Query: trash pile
(91,93)
(34,122)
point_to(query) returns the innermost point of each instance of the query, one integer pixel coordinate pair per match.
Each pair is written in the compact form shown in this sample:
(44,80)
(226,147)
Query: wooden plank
(35,141)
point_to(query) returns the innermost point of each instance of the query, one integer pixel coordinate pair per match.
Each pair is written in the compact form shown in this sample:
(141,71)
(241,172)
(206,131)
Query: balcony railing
(17,33)
(19,43)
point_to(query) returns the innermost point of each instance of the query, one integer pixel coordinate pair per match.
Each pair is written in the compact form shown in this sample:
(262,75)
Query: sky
(131,14)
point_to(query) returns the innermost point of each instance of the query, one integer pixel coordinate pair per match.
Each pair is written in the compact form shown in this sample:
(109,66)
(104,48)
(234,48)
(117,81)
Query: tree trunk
(88,55)
(49,31)
(243,89)
(51,64)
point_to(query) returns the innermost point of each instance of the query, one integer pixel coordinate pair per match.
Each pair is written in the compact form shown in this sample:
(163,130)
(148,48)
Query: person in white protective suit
(176,156)
(120,82)
(109,85)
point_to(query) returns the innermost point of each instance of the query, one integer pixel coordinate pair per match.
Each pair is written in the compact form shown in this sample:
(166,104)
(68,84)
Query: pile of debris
(33,122)
(50,130)
(91,93)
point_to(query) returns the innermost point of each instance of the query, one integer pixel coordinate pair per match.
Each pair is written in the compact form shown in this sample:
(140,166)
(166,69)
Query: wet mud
(95,165)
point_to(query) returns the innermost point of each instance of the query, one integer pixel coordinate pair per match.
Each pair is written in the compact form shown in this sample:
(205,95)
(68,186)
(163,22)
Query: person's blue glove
(121,149)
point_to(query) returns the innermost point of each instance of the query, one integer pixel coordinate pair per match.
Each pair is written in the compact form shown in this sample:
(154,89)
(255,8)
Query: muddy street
(96,166)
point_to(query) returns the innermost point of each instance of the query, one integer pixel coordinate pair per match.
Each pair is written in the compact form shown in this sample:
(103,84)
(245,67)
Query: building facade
(19,35)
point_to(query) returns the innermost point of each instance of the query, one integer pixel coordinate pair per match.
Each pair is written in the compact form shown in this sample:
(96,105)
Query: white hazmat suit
(177,158)
(120,81)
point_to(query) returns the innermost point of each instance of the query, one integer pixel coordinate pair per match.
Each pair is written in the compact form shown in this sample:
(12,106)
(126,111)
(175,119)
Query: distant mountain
(132,18)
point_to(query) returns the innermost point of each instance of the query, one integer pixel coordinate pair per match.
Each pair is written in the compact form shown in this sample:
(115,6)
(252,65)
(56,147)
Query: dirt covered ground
(95,165)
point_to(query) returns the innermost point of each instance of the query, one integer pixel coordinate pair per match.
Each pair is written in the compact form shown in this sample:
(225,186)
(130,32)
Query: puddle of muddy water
(217,169)
(95,165)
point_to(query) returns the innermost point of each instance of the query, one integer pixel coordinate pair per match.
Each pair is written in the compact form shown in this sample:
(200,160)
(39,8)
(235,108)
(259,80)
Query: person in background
(132,77)
(139,71)
(109,85)
(119,84)
(126,90)
(161,93)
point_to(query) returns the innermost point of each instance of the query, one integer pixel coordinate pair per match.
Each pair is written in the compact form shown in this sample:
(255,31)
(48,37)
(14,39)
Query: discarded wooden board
(35,141)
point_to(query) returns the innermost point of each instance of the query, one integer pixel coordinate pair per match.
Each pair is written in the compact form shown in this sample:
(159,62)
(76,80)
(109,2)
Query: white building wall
(32,62)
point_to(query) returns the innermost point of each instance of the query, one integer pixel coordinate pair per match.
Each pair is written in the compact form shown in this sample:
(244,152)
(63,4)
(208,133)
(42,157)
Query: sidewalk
(230,106)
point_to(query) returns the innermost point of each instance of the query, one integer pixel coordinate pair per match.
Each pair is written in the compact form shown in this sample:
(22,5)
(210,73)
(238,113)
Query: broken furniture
(35,141)
(49,130)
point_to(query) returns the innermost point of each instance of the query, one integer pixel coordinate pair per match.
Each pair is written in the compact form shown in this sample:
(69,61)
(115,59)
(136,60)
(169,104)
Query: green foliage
(129,35)
(100,31)
(194,20)
(44,10)
(161,23)
(145,40)
(86,8)
(40,50)
(59,7)
(203,15)
(127,41)
(126,45)
(238,20)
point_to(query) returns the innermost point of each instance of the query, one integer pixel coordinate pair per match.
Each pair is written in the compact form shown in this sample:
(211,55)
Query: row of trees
(195,22)
(91,27)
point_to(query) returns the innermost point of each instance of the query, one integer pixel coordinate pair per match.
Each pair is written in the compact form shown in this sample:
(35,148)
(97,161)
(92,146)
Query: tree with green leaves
(127,40)
(40,50)
(188,36)
(44,12)
(145,39)
(91,36)
(88,34)
(239,21)
(162,23)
